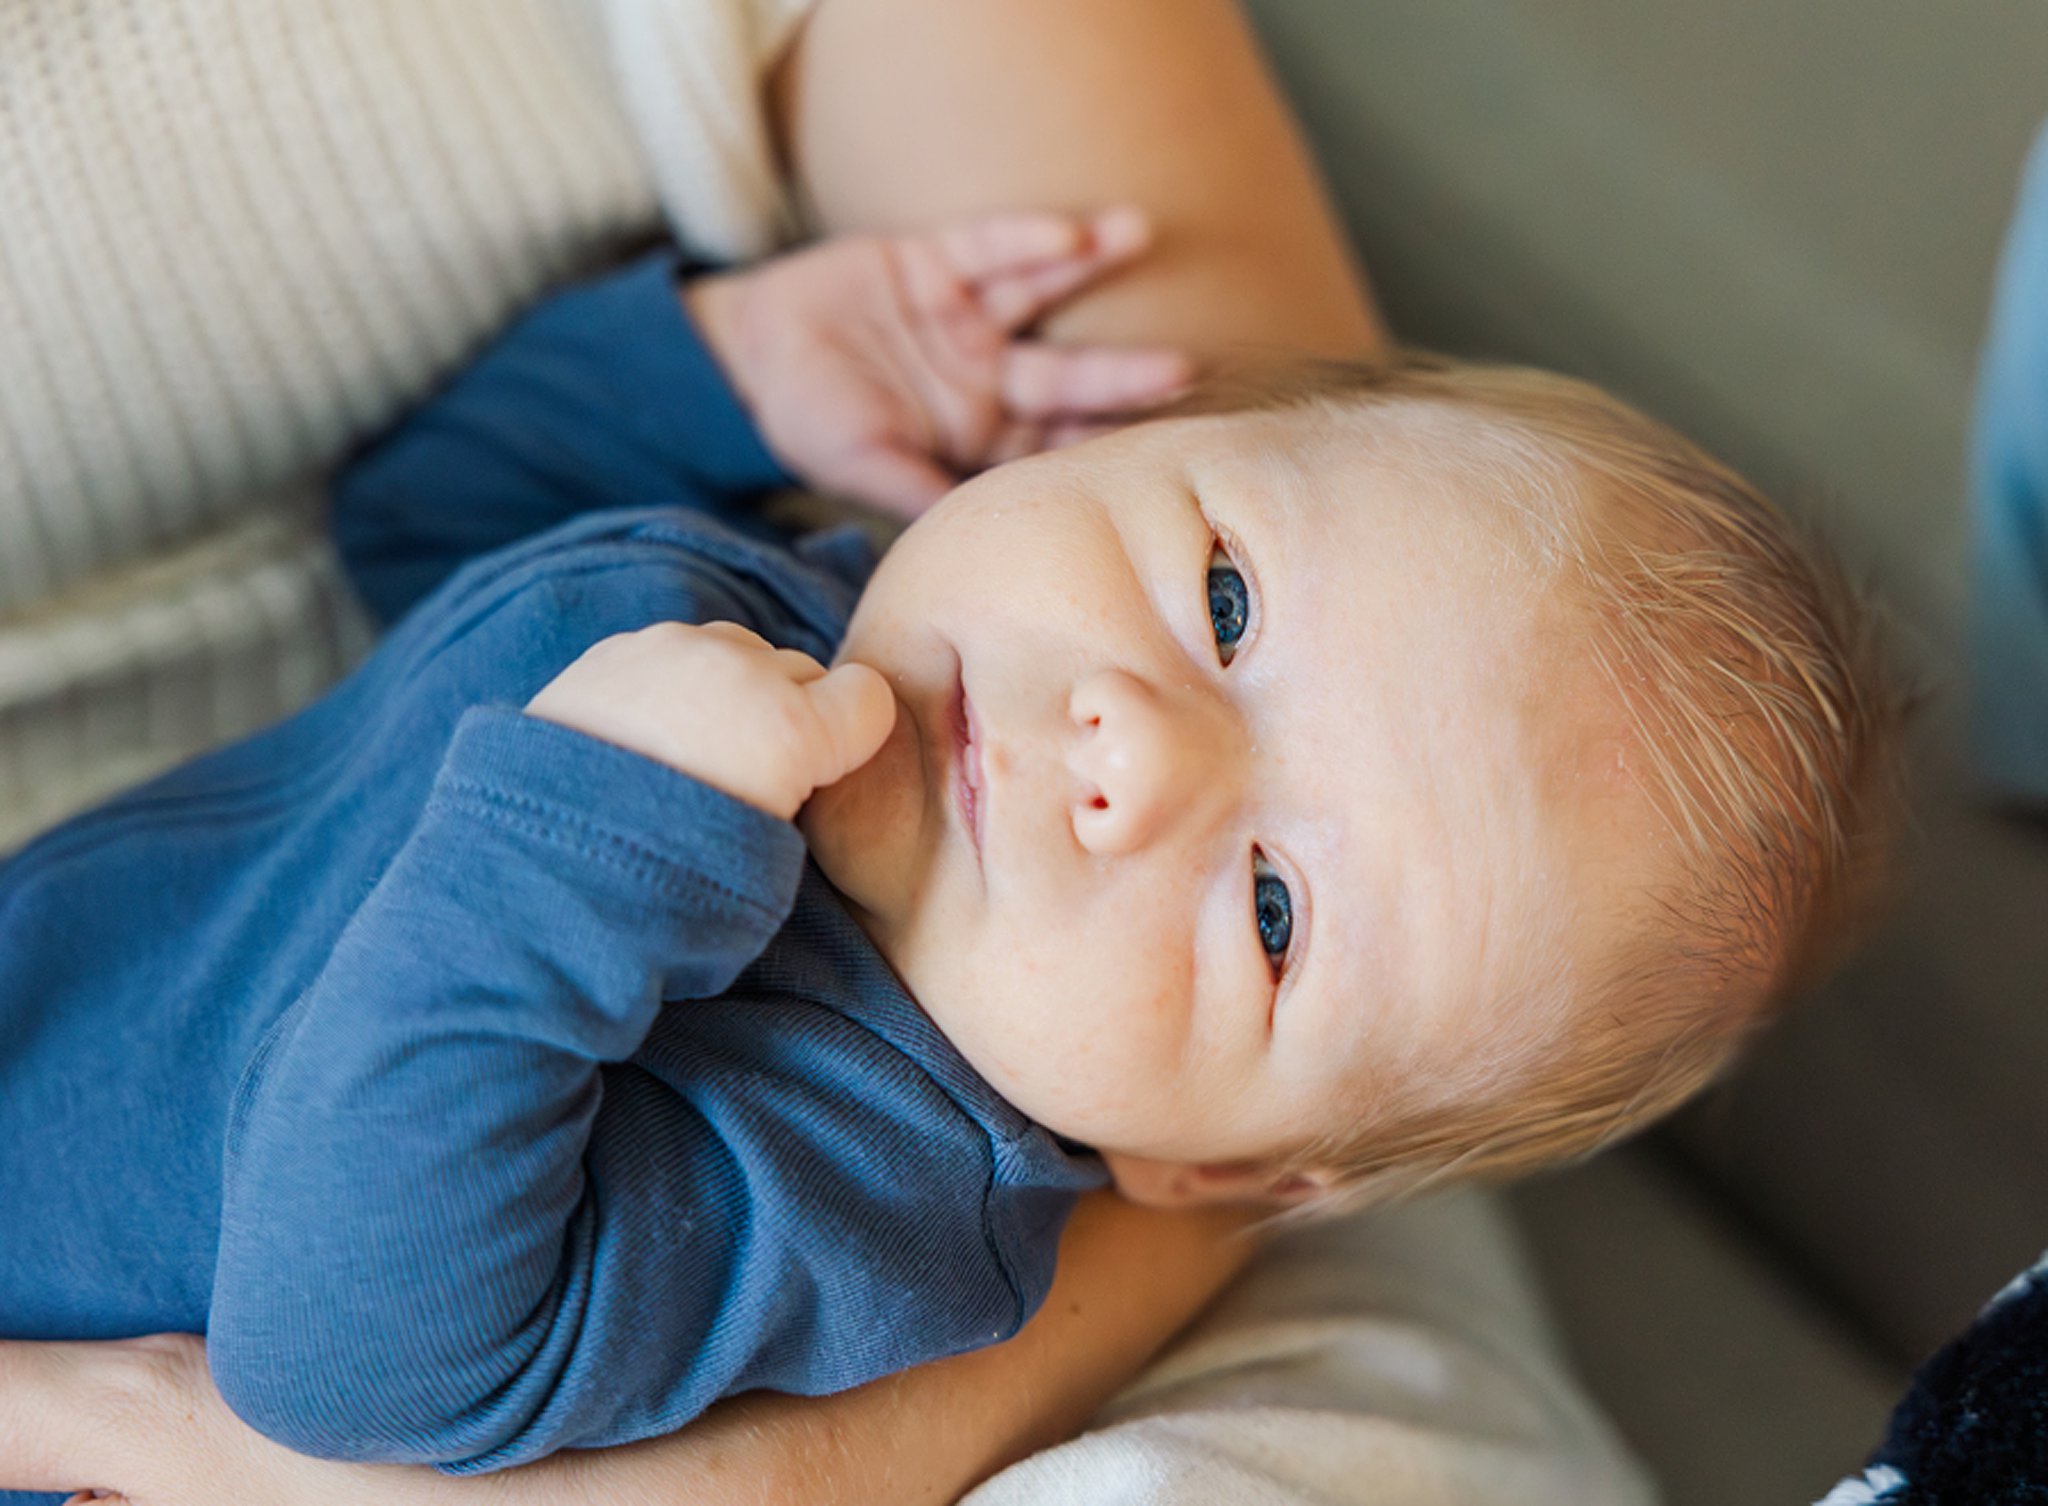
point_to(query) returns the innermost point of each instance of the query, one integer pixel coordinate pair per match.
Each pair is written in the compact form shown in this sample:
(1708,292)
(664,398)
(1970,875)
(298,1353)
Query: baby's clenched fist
(766,725)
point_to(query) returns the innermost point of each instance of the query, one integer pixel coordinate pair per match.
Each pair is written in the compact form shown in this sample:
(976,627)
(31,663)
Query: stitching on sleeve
(577,833)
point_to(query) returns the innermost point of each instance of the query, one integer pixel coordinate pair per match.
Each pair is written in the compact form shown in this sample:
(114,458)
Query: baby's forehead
(1462,479)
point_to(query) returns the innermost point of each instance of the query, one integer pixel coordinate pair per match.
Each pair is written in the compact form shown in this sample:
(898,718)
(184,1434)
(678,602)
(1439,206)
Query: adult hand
(885,368)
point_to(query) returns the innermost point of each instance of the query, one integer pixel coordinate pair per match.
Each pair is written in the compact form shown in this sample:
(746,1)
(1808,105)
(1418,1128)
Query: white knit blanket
(238,235)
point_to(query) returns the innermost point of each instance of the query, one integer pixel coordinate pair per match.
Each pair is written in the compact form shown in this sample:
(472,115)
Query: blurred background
(1776,226)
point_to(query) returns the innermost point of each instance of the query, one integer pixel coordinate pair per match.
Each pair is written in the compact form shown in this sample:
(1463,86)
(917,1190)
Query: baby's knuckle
(666,635)
(790,737)
(789,725)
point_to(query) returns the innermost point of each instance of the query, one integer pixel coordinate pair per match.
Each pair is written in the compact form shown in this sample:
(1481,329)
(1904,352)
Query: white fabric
(1391,1359)
(1876,1485)
(236,236)
(710,149)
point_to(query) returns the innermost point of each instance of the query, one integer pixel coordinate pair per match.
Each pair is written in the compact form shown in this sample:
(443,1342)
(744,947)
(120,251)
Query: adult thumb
(857,709)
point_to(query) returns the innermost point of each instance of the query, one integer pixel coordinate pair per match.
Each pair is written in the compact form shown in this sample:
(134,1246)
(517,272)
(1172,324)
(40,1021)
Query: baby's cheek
(1148,986)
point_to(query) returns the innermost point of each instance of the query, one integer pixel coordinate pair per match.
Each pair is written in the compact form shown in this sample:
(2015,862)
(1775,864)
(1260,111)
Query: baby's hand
(884,368)
(766,725)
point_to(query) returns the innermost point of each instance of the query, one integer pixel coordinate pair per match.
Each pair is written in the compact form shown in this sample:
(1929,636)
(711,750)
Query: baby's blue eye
(1273,909)
(1230,603)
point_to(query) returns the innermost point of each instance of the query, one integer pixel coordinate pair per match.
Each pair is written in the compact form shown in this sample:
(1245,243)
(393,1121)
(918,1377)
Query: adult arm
(142,1418)
(1128,1278)
(896,113)
(1390,1361)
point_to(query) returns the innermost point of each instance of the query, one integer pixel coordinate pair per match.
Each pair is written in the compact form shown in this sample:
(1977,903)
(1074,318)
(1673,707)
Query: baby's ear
(1178,1184)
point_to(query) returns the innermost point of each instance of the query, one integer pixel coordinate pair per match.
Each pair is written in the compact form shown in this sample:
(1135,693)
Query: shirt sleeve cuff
(615,811)
(653,349)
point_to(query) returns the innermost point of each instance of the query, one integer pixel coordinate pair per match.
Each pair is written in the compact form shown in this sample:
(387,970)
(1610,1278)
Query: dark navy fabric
(1973,1428)
(602,396)
(480,1088)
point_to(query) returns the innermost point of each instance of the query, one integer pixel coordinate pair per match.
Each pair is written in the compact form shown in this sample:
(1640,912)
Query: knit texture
(237,236)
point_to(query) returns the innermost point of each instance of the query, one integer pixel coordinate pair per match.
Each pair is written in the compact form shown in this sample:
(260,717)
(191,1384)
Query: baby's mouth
(966,770)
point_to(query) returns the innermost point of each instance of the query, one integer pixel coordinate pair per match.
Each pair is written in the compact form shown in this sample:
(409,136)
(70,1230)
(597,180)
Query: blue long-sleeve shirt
(483,1089)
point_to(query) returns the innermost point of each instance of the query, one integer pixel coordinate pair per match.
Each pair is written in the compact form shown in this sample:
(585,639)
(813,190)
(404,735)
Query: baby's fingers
(792,662)
(855,709)
(1048,381)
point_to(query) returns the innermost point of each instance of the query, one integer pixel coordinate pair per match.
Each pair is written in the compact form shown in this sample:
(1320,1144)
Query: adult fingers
(902,481)
(1067,431)
(1019,263)
(1013,296)
(1014,300)
(942,299)
(1014,438)
(990,245)
(1049,381)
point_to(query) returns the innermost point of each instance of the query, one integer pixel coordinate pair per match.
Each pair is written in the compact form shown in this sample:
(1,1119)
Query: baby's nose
(1151,760)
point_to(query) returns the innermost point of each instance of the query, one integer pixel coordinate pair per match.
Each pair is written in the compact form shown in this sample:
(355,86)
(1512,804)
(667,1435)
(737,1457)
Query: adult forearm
(143,1418)
(897,112)
(1128,1279)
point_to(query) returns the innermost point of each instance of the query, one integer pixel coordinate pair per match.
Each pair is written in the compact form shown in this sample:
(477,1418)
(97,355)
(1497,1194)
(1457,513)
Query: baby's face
(1210,806)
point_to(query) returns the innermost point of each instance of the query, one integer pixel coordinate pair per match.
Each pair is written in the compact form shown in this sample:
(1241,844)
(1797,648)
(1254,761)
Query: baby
(595,1006)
